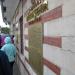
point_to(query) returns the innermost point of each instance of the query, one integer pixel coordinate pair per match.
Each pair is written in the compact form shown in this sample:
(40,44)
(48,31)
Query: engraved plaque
(36,47)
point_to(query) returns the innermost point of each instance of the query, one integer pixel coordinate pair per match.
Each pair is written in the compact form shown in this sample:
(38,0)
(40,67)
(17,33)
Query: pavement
(16,70)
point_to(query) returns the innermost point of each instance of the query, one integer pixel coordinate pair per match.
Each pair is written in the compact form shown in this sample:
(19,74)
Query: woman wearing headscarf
(10,51)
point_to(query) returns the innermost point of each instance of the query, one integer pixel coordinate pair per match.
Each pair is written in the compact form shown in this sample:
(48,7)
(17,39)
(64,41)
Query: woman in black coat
(4,64)
(0,42)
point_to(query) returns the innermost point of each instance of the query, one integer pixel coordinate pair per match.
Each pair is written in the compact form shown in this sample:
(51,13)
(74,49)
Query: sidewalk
(16,70)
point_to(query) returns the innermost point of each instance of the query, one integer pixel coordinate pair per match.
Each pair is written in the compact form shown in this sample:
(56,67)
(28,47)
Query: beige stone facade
(57,37)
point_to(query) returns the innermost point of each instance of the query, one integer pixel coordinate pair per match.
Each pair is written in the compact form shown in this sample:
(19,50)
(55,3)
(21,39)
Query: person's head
(7,40)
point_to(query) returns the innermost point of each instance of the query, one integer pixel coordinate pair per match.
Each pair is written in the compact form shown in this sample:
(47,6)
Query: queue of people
(7,57)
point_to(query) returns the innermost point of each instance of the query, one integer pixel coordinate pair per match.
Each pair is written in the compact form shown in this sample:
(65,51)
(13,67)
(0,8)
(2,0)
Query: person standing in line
(10,51)
(4,64)
(12,39)
(0,41)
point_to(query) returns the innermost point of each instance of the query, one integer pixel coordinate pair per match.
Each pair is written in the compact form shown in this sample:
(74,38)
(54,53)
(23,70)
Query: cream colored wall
(63,27)
(68,7)
(54,3)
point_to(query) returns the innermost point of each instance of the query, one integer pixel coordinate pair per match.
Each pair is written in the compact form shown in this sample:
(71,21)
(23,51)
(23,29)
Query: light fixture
(4,9)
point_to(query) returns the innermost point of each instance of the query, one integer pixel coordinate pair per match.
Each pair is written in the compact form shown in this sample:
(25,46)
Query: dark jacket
(4,64)
(0,42)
